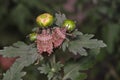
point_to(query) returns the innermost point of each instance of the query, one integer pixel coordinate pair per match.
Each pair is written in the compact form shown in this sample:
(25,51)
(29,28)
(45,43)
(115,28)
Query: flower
(58,36)
(44,42)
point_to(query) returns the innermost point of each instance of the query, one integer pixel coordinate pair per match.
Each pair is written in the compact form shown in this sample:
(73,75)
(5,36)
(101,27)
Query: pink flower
(58,36)
(44,42)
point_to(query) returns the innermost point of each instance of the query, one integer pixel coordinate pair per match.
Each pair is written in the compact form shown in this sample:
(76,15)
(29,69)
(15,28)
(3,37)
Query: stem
(53,60)
(37,62)
(71,35)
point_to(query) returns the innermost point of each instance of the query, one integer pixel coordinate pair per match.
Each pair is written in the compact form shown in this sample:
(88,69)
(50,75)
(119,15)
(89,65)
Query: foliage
(28,54)
(77,69)
(83,41)
(60,18)
(50,70)
(99,17)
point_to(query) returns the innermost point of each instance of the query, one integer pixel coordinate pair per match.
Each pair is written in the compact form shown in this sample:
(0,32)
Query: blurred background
(99,17)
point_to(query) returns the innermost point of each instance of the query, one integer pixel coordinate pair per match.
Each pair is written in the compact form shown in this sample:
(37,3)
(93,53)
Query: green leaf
(75,48)
(14,73)
(45,69)
(60,18)
(90,44)
(72,70)
(86,36)
(77,33)
(27,55)
(18,49)
(57,67)
(81,43)
(50,70)
(50,75)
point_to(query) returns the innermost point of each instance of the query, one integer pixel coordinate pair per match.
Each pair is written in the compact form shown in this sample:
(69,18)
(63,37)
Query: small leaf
(60,18)
(50,70)
(45,69)
(50,75)
(57,66)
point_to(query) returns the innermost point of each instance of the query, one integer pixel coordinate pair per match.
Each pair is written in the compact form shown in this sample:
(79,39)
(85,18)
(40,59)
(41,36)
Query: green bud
(69,24)
(33,36)
(44,20)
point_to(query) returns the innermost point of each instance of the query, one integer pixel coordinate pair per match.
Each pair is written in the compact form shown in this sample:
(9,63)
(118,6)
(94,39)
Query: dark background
(100,17)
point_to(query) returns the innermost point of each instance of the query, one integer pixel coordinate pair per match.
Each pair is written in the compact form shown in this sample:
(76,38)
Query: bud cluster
(49,38)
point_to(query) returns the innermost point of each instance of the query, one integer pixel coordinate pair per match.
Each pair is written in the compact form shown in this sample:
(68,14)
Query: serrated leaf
(72,70)
(45,69)
(50,70)
(76,32)
(57,66)
(91,44)
(18,49)
(77,49)
(14,73)
(83,42)
(30,58)
(50,75)
(86,36)
(60,18)
(65,44)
